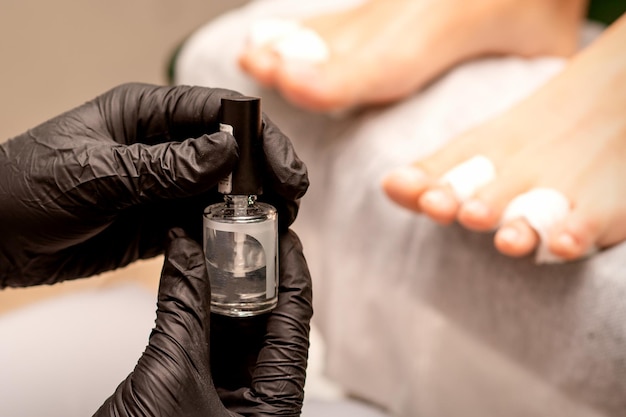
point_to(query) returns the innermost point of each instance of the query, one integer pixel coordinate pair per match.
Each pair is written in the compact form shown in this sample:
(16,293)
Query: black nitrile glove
(174,377)
(98,187)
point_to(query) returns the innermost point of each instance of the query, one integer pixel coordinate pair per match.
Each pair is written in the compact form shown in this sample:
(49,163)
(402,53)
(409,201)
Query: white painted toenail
(289,39)
(469,176)
(542,208)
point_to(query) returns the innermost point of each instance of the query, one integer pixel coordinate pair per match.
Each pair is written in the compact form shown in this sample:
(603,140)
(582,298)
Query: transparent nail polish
(241,234)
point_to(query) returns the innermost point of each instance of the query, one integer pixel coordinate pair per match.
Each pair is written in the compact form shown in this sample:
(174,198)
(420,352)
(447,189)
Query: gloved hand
(173,376)
(98,187)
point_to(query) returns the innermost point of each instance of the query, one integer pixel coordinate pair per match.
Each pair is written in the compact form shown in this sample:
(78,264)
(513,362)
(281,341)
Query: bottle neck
(240,203)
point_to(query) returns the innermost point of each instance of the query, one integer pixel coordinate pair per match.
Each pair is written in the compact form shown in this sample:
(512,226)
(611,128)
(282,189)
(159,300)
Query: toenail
(407,176)
(476,209)
(567,242)
(264,60)
(438,199)
(508,235)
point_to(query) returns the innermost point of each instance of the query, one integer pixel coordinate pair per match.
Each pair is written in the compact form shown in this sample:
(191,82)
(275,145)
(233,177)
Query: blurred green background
(606,11)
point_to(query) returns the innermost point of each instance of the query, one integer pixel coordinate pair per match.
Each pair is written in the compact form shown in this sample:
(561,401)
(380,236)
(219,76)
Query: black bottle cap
(244,115)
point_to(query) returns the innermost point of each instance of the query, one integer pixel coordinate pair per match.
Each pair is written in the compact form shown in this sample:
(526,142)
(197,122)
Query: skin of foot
(569,136)
(384,50)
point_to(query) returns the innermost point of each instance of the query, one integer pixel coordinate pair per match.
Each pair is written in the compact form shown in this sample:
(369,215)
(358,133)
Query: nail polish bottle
(241,234)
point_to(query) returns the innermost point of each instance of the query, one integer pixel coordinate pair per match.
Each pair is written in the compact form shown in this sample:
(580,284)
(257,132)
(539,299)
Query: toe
(516,238)
(404,186)
(484,211)
(408,185)
(440,204)
(576,236)
(477,215)
(313,86)
(261,63)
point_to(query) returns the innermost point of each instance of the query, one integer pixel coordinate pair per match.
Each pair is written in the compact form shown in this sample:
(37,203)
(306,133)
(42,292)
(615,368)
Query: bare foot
(384,50)
(569,136)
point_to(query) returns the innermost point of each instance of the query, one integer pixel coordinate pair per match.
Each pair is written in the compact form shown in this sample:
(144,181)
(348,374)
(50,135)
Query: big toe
(404,186)
(325,86)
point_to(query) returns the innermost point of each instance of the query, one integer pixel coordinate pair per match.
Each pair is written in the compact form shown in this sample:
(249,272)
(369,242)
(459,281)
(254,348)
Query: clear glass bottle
(240,237)
(241,234)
